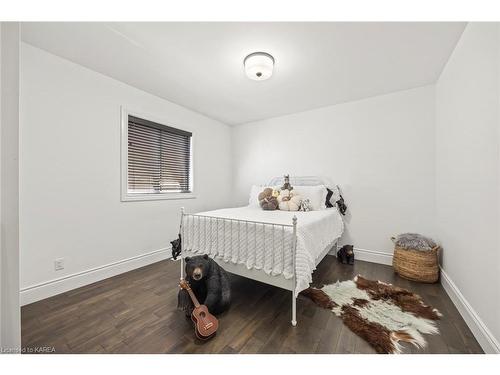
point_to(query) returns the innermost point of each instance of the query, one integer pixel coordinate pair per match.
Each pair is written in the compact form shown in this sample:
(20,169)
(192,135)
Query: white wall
(70,175)
(380,150)
(467,171)
(10,314)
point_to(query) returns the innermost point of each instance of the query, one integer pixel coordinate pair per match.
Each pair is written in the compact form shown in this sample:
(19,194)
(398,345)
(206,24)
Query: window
(159,161)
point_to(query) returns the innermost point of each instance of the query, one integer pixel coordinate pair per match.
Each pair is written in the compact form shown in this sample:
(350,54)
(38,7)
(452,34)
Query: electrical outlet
(59,264)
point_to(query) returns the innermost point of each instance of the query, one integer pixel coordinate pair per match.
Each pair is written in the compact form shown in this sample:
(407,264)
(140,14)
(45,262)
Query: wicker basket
(416,265)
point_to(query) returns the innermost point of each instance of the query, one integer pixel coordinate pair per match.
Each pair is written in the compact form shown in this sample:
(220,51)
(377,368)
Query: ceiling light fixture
(259,66)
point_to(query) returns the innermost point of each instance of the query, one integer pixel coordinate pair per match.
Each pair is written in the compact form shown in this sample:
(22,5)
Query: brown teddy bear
(267,200)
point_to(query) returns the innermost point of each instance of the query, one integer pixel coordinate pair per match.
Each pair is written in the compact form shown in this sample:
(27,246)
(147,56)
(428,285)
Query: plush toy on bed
(286,184)
(305,205)
(289,200)
(268,199)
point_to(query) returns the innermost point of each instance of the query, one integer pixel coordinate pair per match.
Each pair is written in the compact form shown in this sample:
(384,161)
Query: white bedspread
(264,246)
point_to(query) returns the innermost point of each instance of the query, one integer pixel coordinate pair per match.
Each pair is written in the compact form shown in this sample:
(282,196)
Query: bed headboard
(301,181)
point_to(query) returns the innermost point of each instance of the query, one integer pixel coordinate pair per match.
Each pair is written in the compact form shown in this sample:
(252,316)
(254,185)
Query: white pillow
(316,195)
(254,194)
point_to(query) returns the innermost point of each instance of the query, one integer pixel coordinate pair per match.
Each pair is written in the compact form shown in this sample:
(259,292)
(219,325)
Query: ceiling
(200,65)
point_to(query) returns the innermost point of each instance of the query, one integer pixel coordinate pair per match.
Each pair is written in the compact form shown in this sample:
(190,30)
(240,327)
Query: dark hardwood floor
(136,313)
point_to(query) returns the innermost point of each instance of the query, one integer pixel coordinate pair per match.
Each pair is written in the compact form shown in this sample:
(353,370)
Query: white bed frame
(255,274)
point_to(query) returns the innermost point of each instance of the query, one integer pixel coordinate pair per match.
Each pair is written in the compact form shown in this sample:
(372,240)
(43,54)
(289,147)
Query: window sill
(156,197)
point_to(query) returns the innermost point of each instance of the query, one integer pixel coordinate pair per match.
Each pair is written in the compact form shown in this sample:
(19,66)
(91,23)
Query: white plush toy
(289,201)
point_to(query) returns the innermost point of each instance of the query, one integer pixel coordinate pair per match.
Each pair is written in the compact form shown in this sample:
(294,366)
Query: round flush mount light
(259,66)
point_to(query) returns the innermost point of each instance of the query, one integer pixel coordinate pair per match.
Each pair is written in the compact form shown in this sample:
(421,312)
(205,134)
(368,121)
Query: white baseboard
(481,332)
(63,284)
(371,256)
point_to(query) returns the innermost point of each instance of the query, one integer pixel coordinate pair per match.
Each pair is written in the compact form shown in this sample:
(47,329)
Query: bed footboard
(282,247)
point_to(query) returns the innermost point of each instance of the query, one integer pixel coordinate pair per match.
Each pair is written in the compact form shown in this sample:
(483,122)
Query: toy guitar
(205,324)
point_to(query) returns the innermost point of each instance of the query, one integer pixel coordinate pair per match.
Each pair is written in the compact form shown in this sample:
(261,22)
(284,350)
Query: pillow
(316,195)
(253,199)
(333,195)
(328,197)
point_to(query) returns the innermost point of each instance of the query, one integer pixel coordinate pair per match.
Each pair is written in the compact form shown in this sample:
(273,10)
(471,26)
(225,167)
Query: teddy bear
(346,254)
(268,199)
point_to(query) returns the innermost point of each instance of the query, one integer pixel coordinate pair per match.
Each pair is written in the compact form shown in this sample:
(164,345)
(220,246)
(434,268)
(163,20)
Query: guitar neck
(193,298)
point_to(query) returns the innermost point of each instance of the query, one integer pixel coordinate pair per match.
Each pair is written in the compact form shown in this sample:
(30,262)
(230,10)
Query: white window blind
(159,158)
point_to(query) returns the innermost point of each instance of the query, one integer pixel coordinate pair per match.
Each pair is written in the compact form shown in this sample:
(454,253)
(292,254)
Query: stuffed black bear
(346,254)
(210,284)
(176,247)
(341,205)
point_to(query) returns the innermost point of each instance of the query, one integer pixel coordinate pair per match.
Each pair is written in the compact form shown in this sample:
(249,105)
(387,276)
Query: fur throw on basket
(414,241)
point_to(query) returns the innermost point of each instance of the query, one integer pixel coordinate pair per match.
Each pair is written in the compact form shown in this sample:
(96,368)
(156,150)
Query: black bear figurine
(210,284)
(176,247)
(346,254)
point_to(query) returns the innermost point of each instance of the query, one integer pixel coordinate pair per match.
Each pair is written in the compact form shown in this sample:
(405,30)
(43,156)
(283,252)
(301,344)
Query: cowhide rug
(380,313)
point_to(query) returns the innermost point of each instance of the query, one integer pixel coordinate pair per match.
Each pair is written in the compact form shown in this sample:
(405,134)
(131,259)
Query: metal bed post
(294,248)
(183,240)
